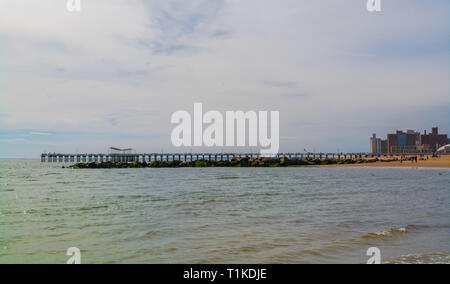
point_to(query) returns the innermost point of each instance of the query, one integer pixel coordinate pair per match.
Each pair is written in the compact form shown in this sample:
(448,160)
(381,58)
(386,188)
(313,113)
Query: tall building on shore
(434,140)
(383,146)
(409,142)
(402,142)
(377,146)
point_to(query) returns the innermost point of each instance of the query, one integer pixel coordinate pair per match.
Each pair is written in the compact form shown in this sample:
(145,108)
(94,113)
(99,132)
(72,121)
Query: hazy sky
(113,74)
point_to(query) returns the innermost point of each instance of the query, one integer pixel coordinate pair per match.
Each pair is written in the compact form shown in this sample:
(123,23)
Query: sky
(114,73)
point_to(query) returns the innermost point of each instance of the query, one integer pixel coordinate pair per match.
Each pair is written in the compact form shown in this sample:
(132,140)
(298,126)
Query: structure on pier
(115,150)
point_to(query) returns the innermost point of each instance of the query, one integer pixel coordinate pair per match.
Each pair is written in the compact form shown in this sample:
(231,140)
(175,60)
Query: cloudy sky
(113,74)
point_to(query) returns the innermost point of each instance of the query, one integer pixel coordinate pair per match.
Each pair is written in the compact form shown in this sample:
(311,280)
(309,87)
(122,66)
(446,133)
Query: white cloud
(40,134)
(23,141)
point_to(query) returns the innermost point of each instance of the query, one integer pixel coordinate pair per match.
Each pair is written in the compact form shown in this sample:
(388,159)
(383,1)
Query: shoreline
(389,165)
(427,162)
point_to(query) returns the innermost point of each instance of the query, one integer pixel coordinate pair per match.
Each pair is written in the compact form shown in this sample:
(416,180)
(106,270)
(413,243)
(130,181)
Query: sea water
(223,215)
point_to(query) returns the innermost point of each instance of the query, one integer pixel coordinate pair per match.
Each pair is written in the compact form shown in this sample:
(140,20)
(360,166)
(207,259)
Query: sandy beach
(425,162)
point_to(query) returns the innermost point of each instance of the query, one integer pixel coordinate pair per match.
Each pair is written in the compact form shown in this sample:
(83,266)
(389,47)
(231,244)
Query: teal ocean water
(223,215)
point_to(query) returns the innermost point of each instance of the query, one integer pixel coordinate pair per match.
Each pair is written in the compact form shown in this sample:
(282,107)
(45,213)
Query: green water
(223,215)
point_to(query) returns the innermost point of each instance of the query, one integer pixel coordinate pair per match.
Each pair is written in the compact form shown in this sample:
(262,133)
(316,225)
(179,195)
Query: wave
(228,177)
(430,258)
(392,232)
(93,208)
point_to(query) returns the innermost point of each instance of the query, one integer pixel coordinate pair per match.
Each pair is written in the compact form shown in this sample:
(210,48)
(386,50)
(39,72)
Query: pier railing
(185,157)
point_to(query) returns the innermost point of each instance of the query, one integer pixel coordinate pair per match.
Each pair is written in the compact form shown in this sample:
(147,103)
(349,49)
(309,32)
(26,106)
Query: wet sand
(429,162)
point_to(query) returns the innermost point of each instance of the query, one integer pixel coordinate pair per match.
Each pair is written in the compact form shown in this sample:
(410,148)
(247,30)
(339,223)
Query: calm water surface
(223,215)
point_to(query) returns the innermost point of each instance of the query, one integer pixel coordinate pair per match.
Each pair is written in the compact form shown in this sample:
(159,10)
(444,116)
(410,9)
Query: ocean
(223,215)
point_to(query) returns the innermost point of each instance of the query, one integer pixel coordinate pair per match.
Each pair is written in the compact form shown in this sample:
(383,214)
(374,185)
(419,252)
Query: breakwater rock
(260,162)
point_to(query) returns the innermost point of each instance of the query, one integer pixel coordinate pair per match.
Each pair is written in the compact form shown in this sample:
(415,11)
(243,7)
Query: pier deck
(149,157)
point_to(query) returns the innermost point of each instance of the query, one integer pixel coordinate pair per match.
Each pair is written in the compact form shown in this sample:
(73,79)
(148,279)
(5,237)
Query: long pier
(185,157)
